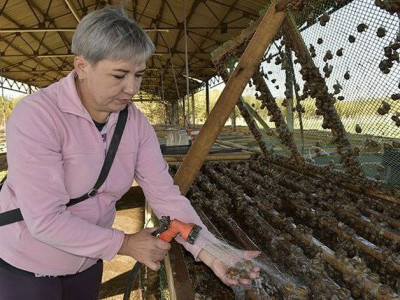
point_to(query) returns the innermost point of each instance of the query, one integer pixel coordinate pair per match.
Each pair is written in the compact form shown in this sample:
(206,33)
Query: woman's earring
(80,78)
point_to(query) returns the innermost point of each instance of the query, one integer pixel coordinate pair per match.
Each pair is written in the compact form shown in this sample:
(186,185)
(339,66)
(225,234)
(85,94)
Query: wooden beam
(258,118)
(211,157)
(230,46)
(247,116)
(179,283)
(248,63)
(322,98)
(286,137)
(73,10)
(234,145)
(255,130)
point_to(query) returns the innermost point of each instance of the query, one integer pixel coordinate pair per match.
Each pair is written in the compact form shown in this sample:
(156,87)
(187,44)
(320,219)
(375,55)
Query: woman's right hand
(145,248)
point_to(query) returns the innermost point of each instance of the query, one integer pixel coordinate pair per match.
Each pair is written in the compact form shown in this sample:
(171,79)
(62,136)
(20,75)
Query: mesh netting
(356,49)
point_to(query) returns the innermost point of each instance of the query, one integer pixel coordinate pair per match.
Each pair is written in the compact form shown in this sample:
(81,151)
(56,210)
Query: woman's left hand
(222,269)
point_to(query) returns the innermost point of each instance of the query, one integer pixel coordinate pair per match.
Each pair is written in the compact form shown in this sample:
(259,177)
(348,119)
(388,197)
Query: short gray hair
(109,33)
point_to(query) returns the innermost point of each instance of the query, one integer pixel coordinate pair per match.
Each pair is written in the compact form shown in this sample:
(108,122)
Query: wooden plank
(258,118)
(230,46)
(211,157)
(319,172)
(179,283)
(233,145)
(170,277)
(255,130)
(248,63)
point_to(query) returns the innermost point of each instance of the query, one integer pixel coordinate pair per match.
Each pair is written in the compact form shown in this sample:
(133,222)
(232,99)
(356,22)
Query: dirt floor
(130,218)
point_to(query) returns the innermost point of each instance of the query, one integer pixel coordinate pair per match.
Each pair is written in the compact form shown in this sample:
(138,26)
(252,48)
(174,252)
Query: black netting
(356,49)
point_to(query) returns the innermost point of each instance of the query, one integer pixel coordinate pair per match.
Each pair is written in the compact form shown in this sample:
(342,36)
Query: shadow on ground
(130,219)
(116,286)
(133,198)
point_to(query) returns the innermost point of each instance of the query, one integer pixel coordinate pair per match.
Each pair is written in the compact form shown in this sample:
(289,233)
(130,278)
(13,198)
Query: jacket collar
(69,101)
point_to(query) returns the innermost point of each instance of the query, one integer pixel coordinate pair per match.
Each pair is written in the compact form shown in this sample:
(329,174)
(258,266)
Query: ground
(130,218)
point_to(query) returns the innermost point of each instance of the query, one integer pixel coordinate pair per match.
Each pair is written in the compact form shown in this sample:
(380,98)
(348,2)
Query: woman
(57,139)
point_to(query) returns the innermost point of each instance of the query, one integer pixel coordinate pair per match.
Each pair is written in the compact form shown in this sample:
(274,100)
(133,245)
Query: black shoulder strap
(112,150)
(15,215)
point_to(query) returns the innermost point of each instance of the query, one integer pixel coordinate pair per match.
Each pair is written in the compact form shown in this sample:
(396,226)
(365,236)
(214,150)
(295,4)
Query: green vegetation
(362,112)
(154,111)
(6,107)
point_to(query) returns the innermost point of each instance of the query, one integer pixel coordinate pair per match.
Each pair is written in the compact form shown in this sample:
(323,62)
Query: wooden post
(255,130)
(247,115)
(268,100)
(323,98)
(233,120)
(249,62)
(180,286)
(289,89)
(258,118)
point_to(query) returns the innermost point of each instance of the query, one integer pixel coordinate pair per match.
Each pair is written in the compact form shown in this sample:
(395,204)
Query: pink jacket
(55,153)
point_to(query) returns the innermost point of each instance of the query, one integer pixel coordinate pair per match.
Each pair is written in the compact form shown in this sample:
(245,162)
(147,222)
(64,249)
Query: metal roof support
(35,30)
(73,10)
(65,29)
(161,94)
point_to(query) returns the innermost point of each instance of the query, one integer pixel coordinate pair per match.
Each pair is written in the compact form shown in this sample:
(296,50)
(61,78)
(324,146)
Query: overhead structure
(35,38)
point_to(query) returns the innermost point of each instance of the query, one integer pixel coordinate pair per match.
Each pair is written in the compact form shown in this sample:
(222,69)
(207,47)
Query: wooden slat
(180,286)
(211,157)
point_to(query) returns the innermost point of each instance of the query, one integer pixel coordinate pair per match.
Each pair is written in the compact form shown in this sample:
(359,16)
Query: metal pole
(176,83)
(186,62)
(193,111)
(207,98)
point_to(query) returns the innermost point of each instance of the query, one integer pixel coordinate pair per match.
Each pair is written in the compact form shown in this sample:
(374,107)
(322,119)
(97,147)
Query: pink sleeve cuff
(117,239)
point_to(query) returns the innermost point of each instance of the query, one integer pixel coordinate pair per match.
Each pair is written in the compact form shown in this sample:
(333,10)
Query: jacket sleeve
(36,176)
(151,173)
